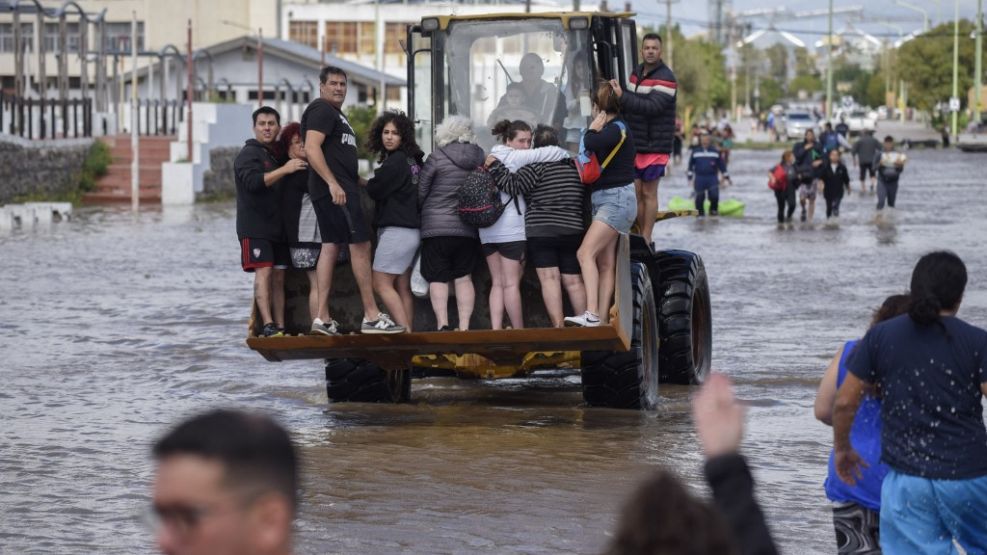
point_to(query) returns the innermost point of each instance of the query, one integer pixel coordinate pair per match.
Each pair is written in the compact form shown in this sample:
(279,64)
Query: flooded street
(113,326)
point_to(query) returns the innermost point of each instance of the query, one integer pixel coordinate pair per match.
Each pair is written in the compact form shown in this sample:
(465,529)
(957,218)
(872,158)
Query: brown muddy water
(113,326)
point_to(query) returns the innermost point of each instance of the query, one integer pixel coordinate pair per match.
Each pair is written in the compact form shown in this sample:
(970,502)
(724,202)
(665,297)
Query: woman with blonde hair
(450,247)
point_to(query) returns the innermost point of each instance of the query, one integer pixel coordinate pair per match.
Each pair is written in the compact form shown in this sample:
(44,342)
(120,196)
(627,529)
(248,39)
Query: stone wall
(40,167)
(218,179)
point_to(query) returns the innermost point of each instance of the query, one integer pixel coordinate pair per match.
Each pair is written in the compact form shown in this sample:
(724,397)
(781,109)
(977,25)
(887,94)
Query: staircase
(115,185)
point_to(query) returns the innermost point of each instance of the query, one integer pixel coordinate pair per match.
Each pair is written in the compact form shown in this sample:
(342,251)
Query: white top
(510,226)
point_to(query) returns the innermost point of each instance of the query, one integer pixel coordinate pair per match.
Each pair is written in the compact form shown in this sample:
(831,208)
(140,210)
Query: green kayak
(728,207)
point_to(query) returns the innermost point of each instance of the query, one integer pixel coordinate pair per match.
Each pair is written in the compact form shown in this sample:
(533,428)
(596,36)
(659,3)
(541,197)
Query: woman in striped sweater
(553,222)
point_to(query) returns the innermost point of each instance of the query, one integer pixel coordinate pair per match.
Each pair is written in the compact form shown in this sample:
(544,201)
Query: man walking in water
(931,370)
(330,145)
(648,106)
(889,165)
(706,167)
(864,151)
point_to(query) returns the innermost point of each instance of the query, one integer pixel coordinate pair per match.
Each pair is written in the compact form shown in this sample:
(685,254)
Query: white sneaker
(321,328)
(383,324)
(587,320)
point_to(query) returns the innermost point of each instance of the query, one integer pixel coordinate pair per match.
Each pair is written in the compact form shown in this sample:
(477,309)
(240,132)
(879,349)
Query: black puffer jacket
(648,104)
(438,185)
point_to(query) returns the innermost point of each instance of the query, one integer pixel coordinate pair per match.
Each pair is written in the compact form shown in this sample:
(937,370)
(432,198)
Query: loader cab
(540,68)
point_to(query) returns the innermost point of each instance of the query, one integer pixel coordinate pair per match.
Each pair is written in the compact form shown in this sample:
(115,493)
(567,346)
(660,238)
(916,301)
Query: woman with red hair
(301,227)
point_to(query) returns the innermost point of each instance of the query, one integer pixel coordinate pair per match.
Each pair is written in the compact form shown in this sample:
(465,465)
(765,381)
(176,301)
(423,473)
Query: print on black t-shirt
(339,147)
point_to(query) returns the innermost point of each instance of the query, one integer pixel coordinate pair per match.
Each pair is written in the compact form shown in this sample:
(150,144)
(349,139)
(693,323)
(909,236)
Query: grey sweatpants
(886,192)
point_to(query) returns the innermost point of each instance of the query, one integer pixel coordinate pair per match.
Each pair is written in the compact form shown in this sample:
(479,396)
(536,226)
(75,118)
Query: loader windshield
(531,70)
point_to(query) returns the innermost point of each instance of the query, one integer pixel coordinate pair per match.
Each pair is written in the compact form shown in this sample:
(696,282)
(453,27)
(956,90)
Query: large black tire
(628,379)
(685,325)
(361,381)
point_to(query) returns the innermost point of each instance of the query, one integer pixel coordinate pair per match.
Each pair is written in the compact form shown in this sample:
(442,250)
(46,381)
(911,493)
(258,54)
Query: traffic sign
(954,104)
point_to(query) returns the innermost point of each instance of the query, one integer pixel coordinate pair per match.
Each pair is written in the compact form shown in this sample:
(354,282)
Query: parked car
(796,123)
(860,121)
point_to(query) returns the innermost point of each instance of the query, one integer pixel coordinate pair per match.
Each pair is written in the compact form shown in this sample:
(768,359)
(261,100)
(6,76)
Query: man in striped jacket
(649,108)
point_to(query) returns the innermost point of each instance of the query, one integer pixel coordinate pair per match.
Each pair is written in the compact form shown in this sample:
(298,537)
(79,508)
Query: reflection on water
(115,326)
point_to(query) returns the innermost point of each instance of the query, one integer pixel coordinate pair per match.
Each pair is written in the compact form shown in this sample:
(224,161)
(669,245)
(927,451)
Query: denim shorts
(616,207)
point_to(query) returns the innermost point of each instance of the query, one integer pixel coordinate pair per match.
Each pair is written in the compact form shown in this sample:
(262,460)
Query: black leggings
(785,197)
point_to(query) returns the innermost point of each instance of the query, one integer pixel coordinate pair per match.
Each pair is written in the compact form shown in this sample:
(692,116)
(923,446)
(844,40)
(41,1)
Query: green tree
(699,68)
(806,83)
(777,55)
(874,94)
(926,65)
(361,118)
(804,63)
(771,92)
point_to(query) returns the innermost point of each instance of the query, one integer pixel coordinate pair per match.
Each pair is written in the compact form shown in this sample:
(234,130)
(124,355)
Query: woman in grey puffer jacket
(450,248)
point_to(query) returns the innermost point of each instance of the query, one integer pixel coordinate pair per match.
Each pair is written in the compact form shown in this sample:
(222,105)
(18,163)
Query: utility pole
(829,64)
(669,36)
(956,68)
(135,152)
(260,66)
(978,77)
(189,93)
(379,57)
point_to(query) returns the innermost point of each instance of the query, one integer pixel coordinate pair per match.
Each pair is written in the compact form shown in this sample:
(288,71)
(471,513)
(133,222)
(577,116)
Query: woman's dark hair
(507,130)
(938,281)
(663,517)
(288,132)
(893,306)
(545,135)
(606,99)
(405,128)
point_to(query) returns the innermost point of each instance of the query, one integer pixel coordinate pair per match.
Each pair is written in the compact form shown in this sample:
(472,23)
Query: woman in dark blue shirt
(931,370)
(614,205)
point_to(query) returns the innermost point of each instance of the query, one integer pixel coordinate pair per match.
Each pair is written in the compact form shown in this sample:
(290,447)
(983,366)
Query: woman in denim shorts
(614,205)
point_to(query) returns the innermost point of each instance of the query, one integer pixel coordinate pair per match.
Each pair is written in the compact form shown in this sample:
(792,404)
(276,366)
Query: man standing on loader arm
(648,106)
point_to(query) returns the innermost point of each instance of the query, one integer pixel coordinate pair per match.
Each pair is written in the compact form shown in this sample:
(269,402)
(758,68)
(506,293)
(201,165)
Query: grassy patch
(759,145)
(74,196)
(215,197)
(97,161)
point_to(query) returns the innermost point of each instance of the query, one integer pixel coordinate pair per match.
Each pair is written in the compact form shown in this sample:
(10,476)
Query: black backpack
(478,199)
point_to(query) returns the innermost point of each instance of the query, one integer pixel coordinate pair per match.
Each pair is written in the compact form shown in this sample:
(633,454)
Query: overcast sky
(691,15)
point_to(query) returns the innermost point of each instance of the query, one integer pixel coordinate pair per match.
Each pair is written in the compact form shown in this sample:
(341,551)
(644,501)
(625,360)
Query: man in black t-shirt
(263,247)
(330,145)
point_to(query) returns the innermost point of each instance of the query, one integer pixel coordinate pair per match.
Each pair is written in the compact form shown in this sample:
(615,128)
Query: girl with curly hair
(394,188)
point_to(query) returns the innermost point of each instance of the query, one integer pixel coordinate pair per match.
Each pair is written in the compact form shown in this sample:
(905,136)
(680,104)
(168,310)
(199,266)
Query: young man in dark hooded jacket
(263,247)
(648,106)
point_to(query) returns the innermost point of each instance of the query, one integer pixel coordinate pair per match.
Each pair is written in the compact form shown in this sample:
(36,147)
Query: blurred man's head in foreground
(226,483)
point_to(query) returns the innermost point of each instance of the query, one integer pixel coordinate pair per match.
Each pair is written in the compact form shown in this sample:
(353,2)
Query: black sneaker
(447,328)
(271,330)
(714,213)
